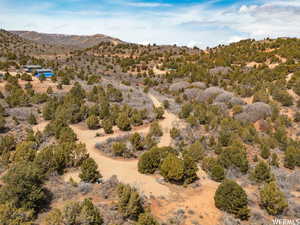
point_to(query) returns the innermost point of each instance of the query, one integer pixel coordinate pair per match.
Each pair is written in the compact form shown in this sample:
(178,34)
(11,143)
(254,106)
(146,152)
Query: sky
(187,22)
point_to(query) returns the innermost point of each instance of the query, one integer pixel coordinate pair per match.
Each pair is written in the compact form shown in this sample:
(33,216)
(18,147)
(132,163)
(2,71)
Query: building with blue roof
(46,72)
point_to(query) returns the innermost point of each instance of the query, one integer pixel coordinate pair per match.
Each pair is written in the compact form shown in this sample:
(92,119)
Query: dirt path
(199,200)
(126,170)
(170,120)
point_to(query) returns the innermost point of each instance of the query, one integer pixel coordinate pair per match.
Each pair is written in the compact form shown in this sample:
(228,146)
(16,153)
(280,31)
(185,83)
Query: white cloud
(201,24)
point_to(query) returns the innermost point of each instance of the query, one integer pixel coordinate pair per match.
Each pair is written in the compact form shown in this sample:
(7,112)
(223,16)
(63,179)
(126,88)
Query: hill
(173,122)
(77,41)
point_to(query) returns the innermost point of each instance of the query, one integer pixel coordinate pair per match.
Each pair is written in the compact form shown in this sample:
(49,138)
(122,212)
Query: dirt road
(200,199)
(126,170)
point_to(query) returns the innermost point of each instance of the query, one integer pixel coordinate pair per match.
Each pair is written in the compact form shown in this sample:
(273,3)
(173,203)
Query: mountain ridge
(77,41)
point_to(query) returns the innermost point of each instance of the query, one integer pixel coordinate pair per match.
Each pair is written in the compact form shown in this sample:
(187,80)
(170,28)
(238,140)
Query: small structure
(46,72)
(31,68)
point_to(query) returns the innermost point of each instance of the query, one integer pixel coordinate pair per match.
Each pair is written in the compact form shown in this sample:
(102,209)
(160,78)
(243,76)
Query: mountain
(77,41)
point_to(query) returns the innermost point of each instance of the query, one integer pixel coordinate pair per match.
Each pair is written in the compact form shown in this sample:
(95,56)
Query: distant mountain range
(77,41)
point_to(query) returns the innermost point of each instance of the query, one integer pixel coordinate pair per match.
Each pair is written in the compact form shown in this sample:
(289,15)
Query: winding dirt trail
(126,170)
(200,199)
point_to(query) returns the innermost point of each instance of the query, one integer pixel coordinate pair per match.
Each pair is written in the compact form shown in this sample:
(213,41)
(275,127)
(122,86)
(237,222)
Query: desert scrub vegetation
(230,197)
(89,171)
(84,212)
(130,203)
(174,168)
(234,114)
(272,199)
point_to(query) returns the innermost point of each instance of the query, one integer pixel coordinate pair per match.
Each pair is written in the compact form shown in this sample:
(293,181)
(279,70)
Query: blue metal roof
(46,74)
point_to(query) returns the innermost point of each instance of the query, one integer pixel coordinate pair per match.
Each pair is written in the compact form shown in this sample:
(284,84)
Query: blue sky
(187,22)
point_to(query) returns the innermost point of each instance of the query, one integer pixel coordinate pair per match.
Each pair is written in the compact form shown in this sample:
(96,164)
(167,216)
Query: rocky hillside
(200,137)
(78,41)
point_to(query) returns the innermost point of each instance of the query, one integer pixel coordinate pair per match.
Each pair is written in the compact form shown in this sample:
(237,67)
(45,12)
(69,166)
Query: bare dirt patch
(197,203)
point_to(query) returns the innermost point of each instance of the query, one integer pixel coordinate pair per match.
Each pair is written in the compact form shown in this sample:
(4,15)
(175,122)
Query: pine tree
(92,122)
(272,199)
(230,197)
(195,151)
(123,122)
(89,214)
(217,173)
(89,171)
(292,157)
(190,170)
(172,168)
(148,162)
(130,203)
(262,172)
(107,126)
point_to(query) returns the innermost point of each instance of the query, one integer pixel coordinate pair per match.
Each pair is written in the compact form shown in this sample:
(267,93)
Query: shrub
(224,137)
(54,217)
(155,130)
(234,156)
(274,160)
(92,122)
(151,160)
(230,197)
(76,213)
(195,151)
(55,158)
(107,126)
(272,199)
(89,171)
(265,152)
(174,133)
(129,204)
(7,144)
(146,219)
(123,122)
(208,163)
(159,113)
(190,170)
(283,97)
(262,172)
(217,173)
(2,123)
(137,118)
(119,149)
(9,214)
(66,134)
(137,141)
(185,111)
(25,152)
(148,162)
(31,119)
(172,168)
(23,187)
(292,157)
(89,214)
(26,77)
(149,142)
